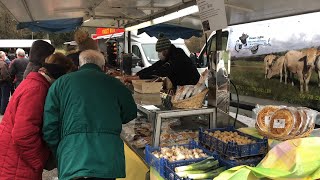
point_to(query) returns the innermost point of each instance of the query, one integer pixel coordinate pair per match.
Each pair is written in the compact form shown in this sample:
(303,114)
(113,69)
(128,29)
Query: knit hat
(163,43)
(39,51)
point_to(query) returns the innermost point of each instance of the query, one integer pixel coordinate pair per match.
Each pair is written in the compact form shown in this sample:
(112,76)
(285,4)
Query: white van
(12,44)
(18,43)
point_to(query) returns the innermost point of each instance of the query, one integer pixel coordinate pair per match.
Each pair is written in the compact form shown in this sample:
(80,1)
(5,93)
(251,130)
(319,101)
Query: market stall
(159,126)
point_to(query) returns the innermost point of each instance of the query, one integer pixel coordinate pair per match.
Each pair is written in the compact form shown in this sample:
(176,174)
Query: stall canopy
(121,13)
(60,25)
(171,31)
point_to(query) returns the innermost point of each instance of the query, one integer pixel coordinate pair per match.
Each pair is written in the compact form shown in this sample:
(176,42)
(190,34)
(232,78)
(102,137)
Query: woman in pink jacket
(23,153)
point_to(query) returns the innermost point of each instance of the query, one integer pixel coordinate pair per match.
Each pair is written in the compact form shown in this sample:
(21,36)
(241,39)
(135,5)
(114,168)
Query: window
(136,51)
(202,61)
(150,52)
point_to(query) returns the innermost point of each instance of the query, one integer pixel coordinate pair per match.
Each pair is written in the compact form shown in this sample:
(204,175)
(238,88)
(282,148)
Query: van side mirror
(139,63)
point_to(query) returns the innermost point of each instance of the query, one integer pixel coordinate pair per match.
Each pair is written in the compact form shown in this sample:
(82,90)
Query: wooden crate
(147,87)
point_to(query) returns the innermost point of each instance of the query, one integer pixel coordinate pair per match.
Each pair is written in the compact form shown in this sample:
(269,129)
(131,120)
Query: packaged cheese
(264,116)
(282,122)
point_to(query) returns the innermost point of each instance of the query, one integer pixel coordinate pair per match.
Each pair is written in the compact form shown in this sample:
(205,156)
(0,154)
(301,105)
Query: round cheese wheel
(282,122)
(264,116)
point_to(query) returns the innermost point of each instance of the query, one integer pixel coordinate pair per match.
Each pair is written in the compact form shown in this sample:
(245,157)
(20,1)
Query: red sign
(106,31)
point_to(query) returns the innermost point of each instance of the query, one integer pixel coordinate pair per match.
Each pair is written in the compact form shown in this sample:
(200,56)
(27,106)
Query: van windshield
(150,52)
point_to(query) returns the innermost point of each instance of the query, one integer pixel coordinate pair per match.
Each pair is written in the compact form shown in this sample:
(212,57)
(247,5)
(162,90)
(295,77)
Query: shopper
(23,153)
(83,117)
(5,82)
(84,42)
(18,66)
(173,63)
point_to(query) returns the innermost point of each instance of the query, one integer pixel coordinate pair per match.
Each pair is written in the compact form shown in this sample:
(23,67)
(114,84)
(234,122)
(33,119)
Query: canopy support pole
(27,9)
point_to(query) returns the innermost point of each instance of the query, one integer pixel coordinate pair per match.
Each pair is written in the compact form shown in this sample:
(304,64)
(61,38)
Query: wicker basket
(192,102)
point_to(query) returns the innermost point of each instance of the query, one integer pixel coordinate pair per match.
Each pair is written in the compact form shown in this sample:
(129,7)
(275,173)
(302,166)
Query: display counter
(159,126)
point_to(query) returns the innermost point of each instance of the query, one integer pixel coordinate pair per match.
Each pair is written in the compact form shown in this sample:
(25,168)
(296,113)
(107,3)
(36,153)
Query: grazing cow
(268,61)
(302,64)
(276,68)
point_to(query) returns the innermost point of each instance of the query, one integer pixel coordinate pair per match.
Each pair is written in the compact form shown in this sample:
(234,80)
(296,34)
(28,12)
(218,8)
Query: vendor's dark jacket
(178,67)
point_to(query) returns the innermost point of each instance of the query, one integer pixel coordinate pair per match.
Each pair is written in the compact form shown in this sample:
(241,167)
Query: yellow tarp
(293,159)
(135,168)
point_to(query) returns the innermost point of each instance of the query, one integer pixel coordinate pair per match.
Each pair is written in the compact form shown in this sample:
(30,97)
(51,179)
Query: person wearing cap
(174,64)
(24,154)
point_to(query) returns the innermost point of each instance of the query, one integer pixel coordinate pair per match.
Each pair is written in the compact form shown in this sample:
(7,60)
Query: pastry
(282,122)
(264,116)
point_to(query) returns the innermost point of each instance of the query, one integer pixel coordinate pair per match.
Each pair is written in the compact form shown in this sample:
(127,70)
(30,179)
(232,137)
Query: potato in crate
(161,157)
(232,143)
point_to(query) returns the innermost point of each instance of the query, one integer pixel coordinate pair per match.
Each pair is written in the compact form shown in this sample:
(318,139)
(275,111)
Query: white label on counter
(279,123)
(267,120)
(150,107)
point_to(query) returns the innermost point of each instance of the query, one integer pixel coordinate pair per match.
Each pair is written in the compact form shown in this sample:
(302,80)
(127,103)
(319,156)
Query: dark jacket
(23,152)
(178,67)
(17,68)
(75,58)
(4,72)
(83,117)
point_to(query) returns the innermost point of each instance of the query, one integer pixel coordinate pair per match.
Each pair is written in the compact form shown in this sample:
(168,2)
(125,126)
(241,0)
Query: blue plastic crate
(232,149)
(161,164)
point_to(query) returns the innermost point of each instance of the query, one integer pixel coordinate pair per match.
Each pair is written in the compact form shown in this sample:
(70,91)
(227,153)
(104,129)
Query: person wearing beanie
(39,51)
(24,154)
(174,64)
(84,42)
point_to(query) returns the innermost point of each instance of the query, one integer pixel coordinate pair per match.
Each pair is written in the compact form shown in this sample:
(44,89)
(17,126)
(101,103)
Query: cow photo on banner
(277,61)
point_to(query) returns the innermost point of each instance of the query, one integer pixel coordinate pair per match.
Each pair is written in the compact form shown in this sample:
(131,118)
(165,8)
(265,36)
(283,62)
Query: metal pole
(218,48)
(129,41)
(219,40)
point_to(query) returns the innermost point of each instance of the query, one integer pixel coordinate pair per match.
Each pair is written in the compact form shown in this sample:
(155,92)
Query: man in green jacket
(83,117)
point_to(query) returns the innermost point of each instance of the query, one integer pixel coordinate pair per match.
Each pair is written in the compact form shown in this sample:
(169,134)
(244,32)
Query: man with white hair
(18,66)
(83,117)
(4,83)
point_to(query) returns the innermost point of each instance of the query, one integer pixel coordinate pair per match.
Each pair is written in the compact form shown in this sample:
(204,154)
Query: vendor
(173,63)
